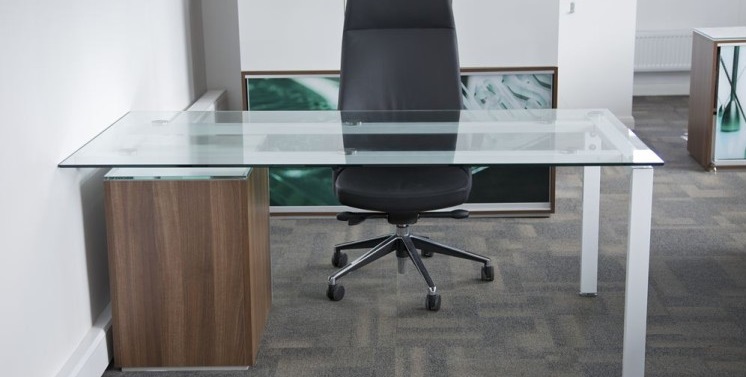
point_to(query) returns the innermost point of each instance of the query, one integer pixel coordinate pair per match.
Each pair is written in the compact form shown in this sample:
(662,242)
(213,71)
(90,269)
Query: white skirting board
(94,352)
(661,83)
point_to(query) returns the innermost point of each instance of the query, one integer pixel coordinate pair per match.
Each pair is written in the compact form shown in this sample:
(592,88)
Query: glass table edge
(100,166)
(658,161)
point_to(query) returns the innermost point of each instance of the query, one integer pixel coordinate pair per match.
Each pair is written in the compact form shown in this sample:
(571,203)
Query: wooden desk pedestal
(189,269)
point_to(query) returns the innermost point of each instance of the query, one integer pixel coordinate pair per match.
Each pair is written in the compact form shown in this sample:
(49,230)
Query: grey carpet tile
(529,321)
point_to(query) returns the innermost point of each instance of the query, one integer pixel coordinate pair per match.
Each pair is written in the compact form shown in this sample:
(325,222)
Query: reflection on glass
(296,186)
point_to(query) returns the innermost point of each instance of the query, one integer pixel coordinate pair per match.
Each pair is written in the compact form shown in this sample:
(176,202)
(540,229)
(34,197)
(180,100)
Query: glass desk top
(333,138)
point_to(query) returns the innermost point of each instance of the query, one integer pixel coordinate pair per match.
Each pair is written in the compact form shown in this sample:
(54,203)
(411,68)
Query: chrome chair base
(406,245)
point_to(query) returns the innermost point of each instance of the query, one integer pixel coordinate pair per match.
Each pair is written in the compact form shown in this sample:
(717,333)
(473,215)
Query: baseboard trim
(672,89)
(93,354)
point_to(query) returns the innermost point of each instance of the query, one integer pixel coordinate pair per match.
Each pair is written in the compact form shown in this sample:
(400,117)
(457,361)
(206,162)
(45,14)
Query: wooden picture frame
(505,190)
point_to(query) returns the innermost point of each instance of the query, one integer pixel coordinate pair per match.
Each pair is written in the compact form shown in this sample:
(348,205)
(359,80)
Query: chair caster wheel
(432,302)
(488,273)
(427,254)
(335,292)
(339,259)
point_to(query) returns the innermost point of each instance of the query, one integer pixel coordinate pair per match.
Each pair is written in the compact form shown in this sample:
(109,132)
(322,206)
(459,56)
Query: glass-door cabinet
(717,121)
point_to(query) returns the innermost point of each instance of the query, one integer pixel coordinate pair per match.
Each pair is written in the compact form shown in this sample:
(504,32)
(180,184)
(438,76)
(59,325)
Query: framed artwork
(291,90)
(511,189)
(296,189)
(497,89)
(495,190)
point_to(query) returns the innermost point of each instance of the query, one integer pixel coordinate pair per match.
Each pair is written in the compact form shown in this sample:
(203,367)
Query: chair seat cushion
(402,189)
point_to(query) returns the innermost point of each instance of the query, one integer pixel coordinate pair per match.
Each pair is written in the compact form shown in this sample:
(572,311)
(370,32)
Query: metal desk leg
(638,262)
(589,245)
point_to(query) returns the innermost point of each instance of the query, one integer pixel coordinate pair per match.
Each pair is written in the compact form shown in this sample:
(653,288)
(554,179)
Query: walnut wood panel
(703,84)
(260,279)
(189,268)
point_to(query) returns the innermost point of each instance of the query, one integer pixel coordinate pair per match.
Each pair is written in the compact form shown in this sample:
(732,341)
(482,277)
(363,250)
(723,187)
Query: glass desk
(331,138)
(587,138)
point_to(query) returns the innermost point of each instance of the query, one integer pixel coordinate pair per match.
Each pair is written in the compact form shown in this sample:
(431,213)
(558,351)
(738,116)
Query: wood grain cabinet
(189,266)
(717,96)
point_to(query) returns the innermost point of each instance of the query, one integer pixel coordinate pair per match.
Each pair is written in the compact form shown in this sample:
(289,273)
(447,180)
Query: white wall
(222,49)
(506,33)
(285,35)
(69,69)
(596,55)
(278,35)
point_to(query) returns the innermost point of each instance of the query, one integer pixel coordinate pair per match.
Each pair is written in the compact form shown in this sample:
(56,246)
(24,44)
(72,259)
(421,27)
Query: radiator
(663,50)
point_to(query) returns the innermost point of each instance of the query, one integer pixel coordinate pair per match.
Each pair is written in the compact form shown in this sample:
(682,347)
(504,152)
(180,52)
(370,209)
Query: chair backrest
(399,55)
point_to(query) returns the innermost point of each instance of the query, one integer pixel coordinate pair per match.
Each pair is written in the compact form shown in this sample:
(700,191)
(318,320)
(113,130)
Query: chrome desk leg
(638,263)
(589,245)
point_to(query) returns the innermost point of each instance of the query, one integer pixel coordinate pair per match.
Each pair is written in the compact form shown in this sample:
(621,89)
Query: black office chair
(400,55)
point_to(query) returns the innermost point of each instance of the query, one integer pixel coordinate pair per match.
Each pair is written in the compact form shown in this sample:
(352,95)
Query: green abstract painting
(507,91)
(302,187)
(293,93)
(489,91)
(296,186)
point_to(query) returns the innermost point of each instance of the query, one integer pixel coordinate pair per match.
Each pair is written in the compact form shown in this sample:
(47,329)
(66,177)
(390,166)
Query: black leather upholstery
(410,69)
(398,14)
(401,55)
(404,189)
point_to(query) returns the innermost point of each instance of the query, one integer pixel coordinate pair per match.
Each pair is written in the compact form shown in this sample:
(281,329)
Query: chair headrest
(398,14)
